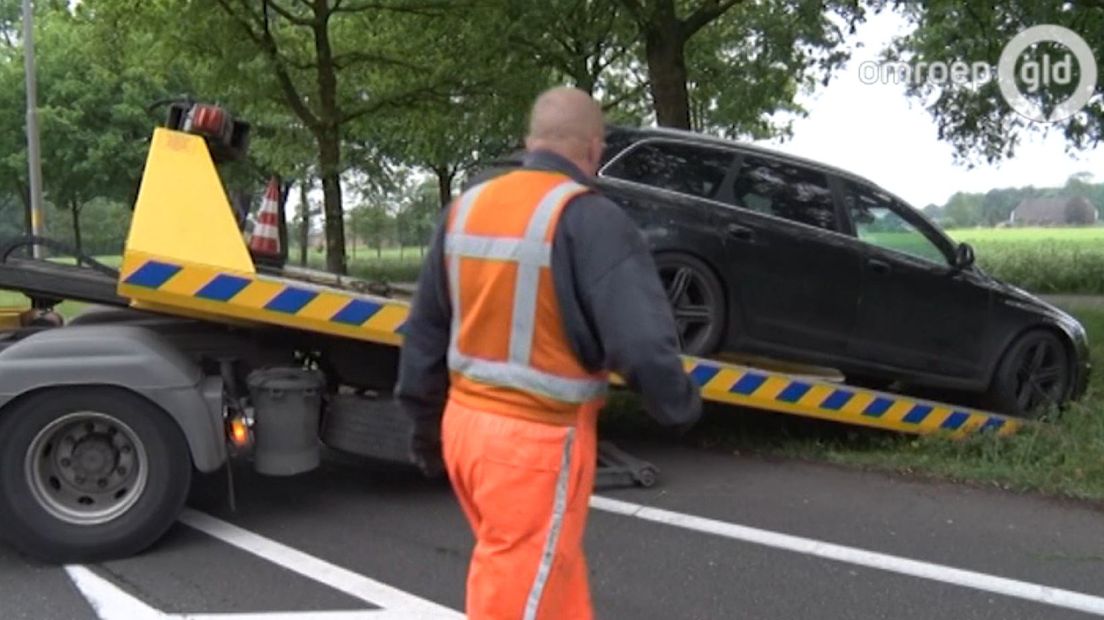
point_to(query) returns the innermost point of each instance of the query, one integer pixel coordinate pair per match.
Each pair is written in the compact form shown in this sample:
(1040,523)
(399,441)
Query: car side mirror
(964,256)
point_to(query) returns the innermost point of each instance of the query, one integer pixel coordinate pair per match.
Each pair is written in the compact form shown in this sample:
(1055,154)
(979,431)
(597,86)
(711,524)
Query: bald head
(568,122)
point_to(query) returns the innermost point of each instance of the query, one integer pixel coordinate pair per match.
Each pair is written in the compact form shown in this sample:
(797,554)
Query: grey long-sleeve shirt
(615,312)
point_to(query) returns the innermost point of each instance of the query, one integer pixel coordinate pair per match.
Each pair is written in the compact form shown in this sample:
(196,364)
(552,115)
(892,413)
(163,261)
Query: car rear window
(782,189)
(684,168)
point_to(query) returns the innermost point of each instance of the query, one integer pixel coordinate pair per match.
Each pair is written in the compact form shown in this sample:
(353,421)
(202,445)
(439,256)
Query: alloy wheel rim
(691,302)
(1040,376)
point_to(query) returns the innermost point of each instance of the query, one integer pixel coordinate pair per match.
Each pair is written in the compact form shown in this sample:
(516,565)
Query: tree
(314,61)
(665,31)
(754,61)
(314,69)
(93,117)
(779,41)
(587,43)
(372,223)
(974,118)
(963,210)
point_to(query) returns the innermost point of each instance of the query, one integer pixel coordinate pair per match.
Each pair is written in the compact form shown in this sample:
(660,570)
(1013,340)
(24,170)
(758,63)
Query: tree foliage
(976,119)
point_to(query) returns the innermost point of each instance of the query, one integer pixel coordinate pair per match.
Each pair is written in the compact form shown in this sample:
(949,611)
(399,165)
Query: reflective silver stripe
(528,275)
(460,220)
(507,374)
(498,248)
(559,507)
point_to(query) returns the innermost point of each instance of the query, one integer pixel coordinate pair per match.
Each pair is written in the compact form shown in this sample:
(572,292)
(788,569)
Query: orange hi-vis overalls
(519,427)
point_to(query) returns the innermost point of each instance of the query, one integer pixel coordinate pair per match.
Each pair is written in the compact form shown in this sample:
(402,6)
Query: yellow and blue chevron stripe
(760,389)
(186,288)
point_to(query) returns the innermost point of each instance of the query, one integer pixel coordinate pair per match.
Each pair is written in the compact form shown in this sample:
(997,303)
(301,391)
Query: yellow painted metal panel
(182,213)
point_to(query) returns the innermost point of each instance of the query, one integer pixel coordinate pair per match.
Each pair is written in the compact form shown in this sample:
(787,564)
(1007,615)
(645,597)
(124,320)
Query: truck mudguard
(127,357)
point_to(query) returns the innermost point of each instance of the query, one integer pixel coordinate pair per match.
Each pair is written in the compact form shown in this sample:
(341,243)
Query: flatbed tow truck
(195,353)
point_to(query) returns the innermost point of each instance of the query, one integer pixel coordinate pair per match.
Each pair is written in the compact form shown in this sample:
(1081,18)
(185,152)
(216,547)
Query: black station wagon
(772,255)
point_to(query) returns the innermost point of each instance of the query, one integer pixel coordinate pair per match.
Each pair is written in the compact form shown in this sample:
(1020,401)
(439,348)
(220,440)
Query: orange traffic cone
(265,237)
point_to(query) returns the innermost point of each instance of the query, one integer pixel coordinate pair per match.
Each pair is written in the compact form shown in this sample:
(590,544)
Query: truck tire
(89,473)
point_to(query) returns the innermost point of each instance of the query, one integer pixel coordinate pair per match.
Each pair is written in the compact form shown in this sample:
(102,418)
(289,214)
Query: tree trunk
(74,208)
(328,133)
(329,151)
(304,223)
(28,226)
(665,50)
(445,176)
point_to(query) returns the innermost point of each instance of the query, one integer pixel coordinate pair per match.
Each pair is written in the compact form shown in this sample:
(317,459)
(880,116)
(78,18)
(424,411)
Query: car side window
(785,190)
(684,168)
(878,221)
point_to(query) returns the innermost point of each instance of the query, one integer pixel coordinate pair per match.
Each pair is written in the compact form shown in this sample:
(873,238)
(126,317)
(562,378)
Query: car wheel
(89,473)
(1033,376)
(697,301)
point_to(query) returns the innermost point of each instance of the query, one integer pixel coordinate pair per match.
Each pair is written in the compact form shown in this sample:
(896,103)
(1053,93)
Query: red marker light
(208,119)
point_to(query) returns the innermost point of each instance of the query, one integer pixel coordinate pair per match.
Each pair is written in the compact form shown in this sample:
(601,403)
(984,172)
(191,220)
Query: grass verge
(1062,457)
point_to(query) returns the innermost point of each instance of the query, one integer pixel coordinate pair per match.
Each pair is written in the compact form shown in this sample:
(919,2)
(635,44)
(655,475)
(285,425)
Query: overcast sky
(879,133)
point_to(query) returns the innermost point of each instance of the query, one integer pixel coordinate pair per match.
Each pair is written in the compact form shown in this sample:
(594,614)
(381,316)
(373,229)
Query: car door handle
(879,266)
(740,233)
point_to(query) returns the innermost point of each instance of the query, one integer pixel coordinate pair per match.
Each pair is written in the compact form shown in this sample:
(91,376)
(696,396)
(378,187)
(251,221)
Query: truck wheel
(89,473)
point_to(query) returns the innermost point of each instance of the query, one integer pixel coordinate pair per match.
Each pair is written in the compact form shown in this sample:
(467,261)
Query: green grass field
(1042,260)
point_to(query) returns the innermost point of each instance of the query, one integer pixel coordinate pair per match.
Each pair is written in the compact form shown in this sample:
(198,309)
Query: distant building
(1054,212)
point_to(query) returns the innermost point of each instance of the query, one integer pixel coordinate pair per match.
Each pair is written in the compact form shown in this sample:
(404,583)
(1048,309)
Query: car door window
(684,168)
(782,189)
(879,220)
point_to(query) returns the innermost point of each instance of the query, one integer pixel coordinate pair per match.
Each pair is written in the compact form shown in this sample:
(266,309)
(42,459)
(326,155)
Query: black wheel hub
(691,302)
(1041,376)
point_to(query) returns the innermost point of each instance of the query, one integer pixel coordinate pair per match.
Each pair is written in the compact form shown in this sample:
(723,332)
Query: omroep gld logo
(1034,74)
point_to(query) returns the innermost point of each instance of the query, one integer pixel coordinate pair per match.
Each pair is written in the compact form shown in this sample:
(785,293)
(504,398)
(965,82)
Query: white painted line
(374,615)
(393,600)
(914,568)
(109,601)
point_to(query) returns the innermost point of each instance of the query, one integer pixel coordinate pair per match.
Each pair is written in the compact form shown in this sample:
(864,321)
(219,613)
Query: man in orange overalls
(533,289)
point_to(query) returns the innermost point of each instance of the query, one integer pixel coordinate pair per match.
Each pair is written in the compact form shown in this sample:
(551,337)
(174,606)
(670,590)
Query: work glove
(694,412)
(426,456)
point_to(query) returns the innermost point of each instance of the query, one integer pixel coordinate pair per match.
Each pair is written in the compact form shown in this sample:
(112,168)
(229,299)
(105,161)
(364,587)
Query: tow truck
(195,352)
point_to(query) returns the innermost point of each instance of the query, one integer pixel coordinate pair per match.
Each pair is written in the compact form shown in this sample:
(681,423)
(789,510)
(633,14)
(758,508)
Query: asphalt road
(721,537)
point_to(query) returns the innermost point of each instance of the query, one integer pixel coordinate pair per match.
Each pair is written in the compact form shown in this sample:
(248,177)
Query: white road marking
(340,579)
(110,602)
(882,561)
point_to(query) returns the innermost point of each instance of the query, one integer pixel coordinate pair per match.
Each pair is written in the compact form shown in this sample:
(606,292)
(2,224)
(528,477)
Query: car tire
(697,301)
(89,473)
(1033,376)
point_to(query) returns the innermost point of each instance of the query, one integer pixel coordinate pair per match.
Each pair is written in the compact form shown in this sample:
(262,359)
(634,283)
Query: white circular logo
(1035,75)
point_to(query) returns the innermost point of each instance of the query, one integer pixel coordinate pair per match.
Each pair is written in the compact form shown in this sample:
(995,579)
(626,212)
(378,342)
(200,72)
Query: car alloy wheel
(1033,376)
(1041,375)
(696,302)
